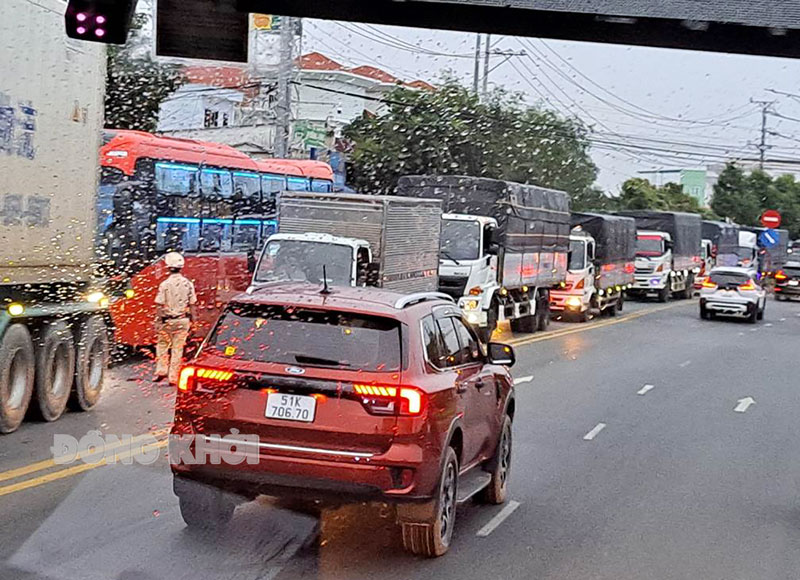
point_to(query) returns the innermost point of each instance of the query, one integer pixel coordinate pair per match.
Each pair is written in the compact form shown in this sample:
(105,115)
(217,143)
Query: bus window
(216,183)
(215,236)
(246,186)
(173,179)
(298,184)
(322,185)
(269,227)
(181,234)
(246,235)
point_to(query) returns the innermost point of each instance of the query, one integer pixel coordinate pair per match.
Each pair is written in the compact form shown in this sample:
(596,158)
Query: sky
(649,108)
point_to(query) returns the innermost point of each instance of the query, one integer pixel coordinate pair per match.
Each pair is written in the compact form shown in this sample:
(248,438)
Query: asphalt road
(638,454)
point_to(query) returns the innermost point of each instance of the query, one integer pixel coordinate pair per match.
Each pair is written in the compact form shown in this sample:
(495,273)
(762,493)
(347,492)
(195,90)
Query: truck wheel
(621,301)
(612,309)
(431,537)
(91,363)
(689,290)
(663,294)
(497,490)
(203,508)
(491,324)
(55,369)
(16,376)
(543,316)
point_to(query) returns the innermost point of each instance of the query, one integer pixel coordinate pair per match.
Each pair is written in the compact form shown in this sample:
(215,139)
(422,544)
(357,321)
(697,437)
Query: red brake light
(749,285)
(781,275)
(708,284)
(579,285)
(189,376)
(382,400)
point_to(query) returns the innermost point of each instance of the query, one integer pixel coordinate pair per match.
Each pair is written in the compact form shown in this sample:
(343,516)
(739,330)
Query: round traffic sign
(770,219)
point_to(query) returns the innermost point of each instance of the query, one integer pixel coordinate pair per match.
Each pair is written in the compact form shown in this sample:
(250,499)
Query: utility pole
(762,146)
(477,63)
(283,108)
(486,53)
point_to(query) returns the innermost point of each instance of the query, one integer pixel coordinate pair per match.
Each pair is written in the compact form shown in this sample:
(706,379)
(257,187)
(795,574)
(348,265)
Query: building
(231,105)
(696,182)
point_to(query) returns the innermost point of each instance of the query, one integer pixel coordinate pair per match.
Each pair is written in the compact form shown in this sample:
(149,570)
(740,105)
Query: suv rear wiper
(313,360)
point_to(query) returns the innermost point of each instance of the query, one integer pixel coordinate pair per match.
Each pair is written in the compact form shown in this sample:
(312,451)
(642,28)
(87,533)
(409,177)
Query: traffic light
(106,21)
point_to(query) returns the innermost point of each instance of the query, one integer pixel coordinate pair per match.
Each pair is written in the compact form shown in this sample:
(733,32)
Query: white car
(732,292)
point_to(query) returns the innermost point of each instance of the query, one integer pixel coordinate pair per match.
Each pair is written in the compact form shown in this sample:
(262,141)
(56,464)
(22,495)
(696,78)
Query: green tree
(592,199)
(136,84)
(639,193)
(451,132)
(787,202)
(733,197)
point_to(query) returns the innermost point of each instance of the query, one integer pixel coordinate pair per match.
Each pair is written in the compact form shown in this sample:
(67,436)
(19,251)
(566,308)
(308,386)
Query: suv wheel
(753,316)
(431,537)
(203,508)
(761,310)
(497,490)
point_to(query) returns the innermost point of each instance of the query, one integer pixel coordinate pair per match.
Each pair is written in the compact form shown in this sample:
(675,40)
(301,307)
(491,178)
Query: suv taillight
(749,285)
(781,276)
(190,375)
(708,284)
(385,400)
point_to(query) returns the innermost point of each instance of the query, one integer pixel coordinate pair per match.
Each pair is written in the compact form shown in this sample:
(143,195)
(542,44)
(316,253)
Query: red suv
(351,393)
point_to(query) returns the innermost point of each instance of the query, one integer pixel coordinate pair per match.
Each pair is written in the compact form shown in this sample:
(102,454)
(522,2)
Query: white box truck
(53,339)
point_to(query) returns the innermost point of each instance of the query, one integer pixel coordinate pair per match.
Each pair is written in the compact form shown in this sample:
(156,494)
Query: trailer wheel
(55,369)
(91,363)
(16,376)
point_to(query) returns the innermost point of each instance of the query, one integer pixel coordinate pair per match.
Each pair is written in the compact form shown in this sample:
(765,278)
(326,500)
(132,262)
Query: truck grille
(453,285)
(643,270)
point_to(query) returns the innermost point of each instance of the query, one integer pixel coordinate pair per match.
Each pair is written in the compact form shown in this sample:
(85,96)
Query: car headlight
(573,302)
(471,305)
(472,318)
(95,297)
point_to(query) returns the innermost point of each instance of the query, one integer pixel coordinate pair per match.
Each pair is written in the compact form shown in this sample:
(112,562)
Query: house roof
(228,77)
(318,61)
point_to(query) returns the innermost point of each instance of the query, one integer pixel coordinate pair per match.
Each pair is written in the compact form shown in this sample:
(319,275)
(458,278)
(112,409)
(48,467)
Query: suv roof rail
(418,297)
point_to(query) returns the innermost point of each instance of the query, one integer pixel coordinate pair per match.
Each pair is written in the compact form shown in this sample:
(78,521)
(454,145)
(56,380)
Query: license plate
(793,282)
(291,407)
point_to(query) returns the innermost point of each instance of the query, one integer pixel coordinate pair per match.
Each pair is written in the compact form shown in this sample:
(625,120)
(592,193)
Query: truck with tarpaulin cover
(667,253)
(602,250)
(503,248)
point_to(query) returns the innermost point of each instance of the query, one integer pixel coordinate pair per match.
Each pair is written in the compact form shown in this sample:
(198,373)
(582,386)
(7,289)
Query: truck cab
(576,295)
(653,263)
(708,262)
(468,264)
(748,250)
(301,258)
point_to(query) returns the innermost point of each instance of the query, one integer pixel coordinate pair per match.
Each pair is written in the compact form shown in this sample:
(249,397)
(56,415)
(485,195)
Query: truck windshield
(322,338)
(461,240)
(649,246)
(302,261)
(577,255)
(745,253)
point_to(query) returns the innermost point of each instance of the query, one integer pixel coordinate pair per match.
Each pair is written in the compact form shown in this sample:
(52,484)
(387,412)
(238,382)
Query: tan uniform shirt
(175,294)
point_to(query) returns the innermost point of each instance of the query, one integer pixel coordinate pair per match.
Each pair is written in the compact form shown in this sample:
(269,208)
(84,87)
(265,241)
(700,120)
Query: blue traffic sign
(768,238)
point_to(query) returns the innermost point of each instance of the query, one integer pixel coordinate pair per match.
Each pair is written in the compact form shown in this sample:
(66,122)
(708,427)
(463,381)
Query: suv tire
(760,315)
(497,490)
(203,508)
(431,537)
(752,318)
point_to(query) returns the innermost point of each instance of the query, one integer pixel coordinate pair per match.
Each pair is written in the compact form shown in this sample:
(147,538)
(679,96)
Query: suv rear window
(792,271)
(308,337)
(728,278)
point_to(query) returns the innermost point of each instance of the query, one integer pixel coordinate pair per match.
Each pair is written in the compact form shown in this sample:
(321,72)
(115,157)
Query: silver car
(733,292)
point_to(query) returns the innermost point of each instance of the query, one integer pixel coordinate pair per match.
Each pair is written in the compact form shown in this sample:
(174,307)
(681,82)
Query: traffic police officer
(175,311)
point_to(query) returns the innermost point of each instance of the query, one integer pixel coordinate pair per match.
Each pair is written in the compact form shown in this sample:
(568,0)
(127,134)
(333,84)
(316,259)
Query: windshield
(728,278)
(461,240)
(303,261)
(745,253)
(318,338)
(577,255)
(649,246)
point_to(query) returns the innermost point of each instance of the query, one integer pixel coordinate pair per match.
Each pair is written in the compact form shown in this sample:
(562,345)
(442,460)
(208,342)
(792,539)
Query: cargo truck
(667,253)
(719,244)
(504,247)
(360,240)
(770,257)
(53,311)
(602,250)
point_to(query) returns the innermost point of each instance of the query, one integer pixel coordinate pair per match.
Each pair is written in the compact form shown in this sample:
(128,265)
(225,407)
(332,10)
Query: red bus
(209,201)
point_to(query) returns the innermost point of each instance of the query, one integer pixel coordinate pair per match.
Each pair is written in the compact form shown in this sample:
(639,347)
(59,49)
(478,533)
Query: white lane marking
(783,320)
(593,433)
(744,404)
(521,380)
(768,324)
(498,519)
(685,363)
(645,389)
(753,330)
(741,334)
